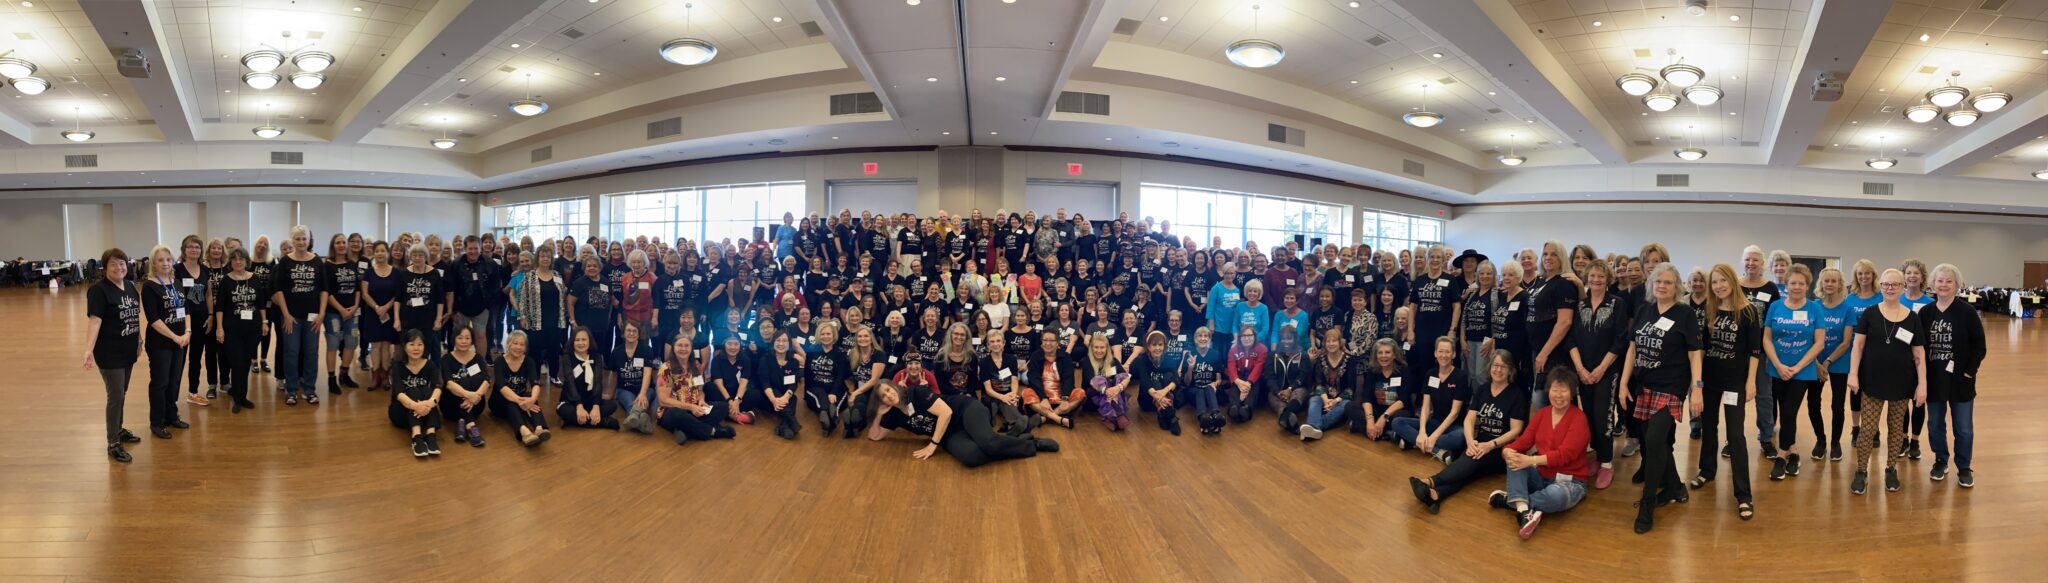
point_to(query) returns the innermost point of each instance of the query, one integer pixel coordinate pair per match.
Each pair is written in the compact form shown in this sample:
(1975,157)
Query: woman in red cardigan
(1547,466)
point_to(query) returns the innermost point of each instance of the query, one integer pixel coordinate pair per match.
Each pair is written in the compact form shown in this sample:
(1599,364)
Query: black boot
(347,380)
(333,385)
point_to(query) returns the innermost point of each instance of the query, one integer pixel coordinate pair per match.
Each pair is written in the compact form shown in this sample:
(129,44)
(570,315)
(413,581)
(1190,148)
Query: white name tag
(892,359)
(1394,382)
(1512,306)
(1951,366)
(246,314)
(1664,324)
(605,288)
(697,380)
(677,284)
(476,277)
(1003,374)
(696,279)
(1443,283)
(799,340)
(1731,398)
(788,379)
(643,285)
(416,302)
(1763,296)
(977,342)
(1368,279)
(362,265)
(1562,478)
(1435,382)
(1905,335)
(639,363)
(312,317)
(1183,338)
(1132,341)
(1290,282)
(1350,279)
(1038,328)
(474,368)
(1407,345)
(189,282)
(1799,317)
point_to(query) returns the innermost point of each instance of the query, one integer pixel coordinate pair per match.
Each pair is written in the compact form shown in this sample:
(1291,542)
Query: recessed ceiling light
(1109,139)
(1492,93)
(1924,37)
(27,4)
(945,133)
(931,79)
(1354,81)
(1597,24)
(835,137)
(1734,18)
(991,133)
(357,9)
(913,2)
(515,45)
(1163,19)
(1731,113)
(1354,4)
(597,73)
(462,80)
(1436,55)
(777,19)
(1001,79)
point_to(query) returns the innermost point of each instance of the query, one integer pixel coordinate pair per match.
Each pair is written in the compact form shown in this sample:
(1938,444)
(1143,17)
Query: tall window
(705,213)
(1394,232)
(553,219)
(1236,217)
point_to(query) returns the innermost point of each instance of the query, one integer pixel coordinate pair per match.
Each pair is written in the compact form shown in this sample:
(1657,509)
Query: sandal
(1745,510)
(1699,482)
(1067,422)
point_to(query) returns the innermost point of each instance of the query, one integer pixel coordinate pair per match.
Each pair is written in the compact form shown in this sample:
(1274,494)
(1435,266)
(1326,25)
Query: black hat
(1469,253)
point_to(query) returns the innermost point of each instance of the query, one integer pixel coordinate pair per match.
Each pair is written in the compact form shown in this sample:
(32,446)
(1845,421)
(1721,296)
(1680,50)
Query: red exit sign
(1073,169)
(870,168)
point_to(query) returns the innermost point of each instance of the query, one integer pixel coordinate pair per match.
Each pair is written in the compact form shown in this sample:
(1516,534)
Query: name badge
(1951,366)
(441,272)
(676,284)
(643,285)
(1407,345)
(474,368)
(189,282)
(1443,283)
(1290,282)
(789,379)
(1731,398)
(639,363)
(312,317)
(1435,382)
(246,314)
(1394,382)
(696,279)
(799,340)
(416,302)
(362,265)
(1183,338)
(977,342)
(1905,335)
(1664,324)
(1763,297)
(1562,478)
(1003,374)
(1799,317)
(1368,279)
(1512,306)
(605,288)
(1350,279)
(892,359)
(1038,328)
(1131,340)
(697,380)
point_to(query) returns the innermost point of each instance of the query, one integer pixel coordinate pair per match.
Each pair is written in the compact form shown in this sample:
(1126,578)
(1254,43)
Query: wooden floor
(330,492)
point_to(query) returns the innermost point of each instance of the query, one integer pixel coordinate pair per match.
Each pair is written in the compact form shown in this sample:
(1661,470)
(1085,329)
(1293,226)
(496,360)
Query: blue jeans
(298,358)
(341,333)
(1321,420)
(1545,496)
(1938,416)
(1766,405)
(1409,429)
(1203,399)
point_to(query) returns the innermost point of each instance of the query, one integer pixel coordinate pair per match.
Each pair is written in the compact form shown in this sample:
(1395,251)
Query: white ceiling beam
(450,33)
(2017,124)
(835,27)
(14,133)
(1097,25)
(1494,35)
(133,24)
(1837,33)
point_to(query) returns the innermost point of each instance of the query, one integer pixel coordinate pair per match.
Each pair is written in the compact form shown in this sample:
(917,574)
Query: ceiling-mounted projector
(133,64)
(1827,87)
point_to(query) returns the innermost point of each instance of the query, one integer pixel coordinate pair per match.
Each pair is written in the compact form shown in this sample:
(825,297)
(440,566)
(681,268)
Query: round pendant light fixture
(304,80)
(1922,113)
(31,85)
(263,60)
(1636,84)
(313,61)
(442,143)
(688,50)
(1681,74)
(2041,174)
(1689,153)
(1255,53)
(528,106)
(16,68)
(1703,94)
(1423,118)
(1881,162)
(1512,158)
(260,80)
(1990,102)
(77,133)
(267,131)
(1660,102)
(1947,95)
(1961,118)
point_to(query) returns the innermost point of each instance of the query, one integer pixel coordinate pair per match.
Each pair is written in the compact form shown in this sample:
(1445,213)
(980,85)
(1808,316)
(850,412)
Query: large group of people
(983,333)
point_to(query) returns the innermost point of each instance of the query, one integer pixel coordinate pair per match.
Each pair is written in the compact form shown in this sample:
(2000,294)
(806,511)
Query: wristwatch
(1699,384)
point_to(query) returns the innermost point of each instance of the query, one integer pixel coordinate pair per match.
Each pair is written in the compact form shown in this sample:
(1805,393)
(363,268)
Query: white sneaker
(1309,432)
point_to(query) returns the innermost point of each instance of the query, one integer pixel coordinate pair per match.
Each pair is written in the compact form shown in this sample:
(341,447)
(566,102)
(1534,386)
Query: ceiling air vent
(811,29)
(145,122)
(1877,188)
(316,122)
(288,158)
(507,69)
(25,36)
(81,160)
(572,33)
(1494,110)
(1674,180)
(856,103)
(463,96)
(1643,143)
(1992,5)
(543,153)
(1411,167)
(1376,40)
(1126,26)
(44,124)
(1816,148)
(664,128)
(1750,144)
(1285,135)
(1078,102)
(209,120)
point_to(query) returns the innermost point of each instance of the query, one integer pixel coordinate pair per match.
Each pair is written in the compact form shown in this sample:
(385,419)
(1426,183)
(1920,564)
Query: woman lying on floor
(960,423)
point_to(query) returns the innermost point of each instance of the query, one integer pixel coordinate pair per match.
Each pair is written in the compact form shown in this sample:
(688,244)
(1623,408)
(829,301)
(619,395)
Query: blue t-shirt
(1222,306)
(1792,336)
(1837,321)
(1913,304)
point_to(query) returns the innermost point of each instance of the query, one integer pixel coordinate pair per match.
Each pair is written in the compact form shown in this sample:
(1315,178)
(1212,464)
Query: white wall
(175,220)
(32,223)
(88,230)
(1990,250)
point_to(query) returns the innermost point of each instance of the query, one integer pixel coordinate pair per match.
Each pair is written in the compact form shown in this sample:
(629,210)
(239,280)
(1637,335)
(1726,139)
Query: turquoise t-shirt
(1837,321)
(1792,336)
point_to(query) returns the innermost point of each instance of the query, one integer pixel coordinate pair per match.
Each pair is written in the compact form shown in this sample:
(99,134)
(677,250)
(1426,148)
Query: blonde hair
(1679,293)
(165,249)
(1863,265)
(1663,254)
(1953,272)
(1841,291)
(1564,260)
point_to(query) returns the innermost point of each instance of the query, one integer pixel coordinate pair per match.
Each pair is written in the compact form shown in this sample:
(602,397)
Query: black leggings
(519,418)
(403,418)
(1712,416)
(567,412)
(1660,468)
(1788,394)
(707,427)
(1919,420)
(973,440)
(164,366)
(1594,400)
(1466,470)
(451,408)
(1829,433)
(202,352)
(236,356)
(545,347)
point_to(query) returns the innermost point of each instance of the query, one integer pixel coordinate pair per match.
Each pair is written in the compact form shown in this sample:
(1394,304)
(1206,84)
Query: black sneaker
(1891,479)
(1727,450)
(160,432)
(1792,465)
(1172,423)
(118,454)
(1770,450)
(1820,451)
(1965,479)
(1778,469)
(1421,492)
(461,436)
(179,424)
(1856,486)
(419,446)
(1695,433)
(433,444)
(1289,421)
(1939,473)
(1046,445)
(1526,521)
(127,437)
(1498,499)
(1913,449)
(212,393)
(348,382)
(1646,517)
(1835,452)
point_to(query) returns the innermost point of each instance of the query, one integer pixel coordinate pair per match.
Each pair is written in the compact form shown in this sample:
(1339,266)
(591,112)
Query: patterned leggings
(1894,413)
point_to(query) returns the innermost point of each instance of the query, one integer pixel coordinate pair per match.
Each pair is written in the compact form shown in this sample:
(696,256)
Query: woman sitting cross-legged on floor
(583,403)
(1495,418)
(1547,465)
(679,388)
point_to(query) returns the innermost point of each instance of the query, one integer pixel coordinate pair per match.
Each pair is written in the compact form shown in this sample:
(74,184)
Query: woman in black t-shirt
(416,393)
(113,315)
(517,381)
(958,422)
(1494,417)
(1663,355)
(1159,380)
(1552,299)
(1598,339)
(164,306)
(296,292)
(422,298)
(238,303)
(1955,342)
(1730,338)
(1887,367)
(781,377)
(467,387)
(582,403)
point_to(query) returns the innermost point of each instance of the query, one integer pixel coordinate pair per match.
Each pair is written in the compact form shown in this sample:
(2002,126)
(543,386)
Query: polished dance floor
(331,492)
